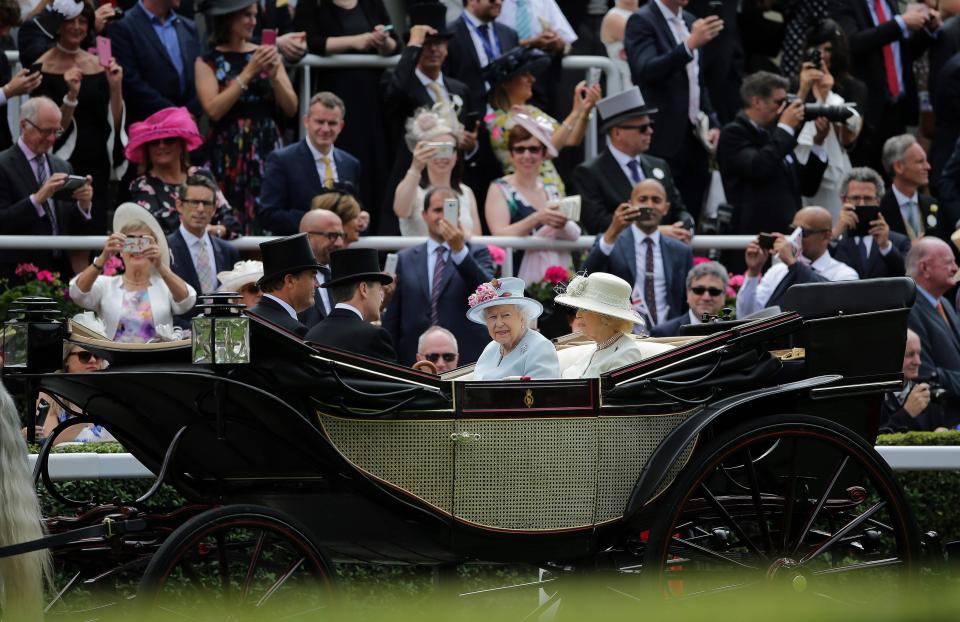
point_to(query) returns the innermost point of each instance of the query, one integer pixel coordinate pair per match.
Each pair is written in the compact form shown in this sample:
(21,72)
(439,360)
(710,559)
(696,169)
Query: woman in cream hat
(516,349)
(243,280)
(603,304)
(147,294)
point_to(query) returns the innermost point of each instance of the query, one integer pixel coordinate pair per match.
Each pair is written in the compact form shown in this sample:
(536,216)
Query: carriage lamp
(33,336)
(220,333)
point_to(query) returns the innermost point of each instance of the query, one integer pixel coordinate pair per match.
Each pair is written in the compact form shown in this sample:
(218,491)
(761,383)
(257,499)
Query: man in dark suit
(30,176)
(882,252)
(946,109)
(633,249)
(761,177)
(949,187)
(723,58)
(288,283)
(607,180)
(931,265)
(905,209)
(663,49)
(157,49)
(882,51)
(418,82)
(197,255)
(911,408)
(295,174)
(706,294)
(325,233)
(434,280)
(356,288)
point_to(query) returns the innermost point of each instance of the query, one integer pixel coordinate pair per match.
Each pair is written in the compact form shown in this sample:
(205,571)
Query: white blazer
(105,298)
(623,351)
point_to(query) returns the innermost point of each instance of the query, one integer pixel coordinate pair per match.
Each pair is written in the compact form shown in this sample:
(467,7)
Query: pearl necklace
(66,51)
(609,342)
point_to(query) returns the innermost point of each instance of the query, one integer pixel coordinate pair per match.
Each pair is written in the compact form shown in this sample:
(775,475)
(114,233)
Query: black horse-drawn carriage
(747,451)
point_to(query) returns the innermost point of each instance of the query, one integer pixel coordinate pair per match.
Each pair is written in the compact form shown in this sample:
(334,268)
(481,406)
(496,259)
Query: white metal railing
(372,61)
(84,466)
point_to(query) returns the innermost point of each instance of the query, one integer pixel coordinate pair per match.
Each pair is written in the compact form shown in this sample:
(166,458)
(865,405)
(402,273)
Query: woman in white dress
(603,304)
(611,33)
(516,349)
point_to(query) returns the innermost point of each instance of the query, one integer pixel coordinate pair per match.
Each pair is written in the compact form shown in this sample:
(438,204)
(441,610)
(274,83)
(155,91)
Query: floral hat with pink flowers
(505,291)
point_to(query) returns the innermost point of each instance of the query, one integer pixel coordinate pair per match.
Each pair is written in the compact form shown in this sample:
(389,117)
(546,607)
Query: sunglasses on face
(531,150)
(808,232)
(640,127)
(168,140)
(448,357)
(84,356)
(700,290)
(333,236)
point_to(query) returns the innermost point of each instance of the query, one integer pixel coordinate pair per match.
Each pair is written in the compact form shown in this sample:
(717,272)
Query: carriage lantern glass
(33,336)
(220,333)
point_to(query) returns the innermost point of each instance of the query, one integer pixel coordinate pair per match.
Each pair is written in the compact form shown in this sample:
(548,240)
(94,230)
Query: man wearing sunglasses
(439,346)
(197,255)
(706,293)
(813,264)
(324,231)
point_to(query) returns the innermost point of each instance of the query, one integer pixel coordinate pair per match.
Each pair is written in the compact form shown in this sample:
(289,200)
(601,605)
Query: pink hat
(539,128)
(164,123)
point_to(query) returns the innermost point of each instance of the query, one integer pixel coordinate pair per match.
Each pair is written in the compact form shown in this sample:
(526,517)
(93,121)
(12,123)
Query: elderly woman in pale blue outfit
(517,351)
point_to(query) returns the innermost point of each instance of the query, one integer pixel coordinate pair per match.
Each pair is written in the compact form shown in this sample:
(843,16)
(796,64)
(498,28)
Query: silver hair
(525,311)
(895,149)
(437,329)
(30,110)
(866,175)
(709,268)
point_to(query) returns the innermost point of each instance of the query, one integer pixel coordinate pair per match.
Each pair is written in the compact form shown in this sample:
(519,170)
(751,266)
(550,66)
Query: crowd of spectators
(807,123)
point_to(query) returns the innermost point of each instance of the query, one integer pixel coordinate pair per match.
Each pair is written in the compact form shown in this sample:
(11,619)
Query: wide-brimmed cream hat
(132,212)
(505,291)
(243,273)
(602,293)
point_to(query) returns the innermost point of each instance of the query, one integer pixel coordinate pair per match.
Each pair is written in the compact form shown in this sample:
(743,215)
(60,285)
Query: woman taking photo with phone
(148,294)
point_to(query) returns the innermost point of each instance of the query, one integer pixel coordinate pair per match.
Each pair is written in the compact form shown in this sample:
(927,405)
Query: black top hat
(286,255)
(355,264)
(430,13)
(516,61)
(214,8)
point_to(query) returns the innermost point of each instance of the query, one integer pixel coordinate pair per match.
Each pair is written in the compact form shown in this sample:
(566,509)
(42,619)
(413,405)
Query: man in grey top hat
(605,181)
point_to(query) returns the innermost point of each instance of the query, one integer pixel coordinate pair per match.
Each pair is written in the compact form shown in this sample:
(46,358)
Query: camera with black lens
(937,392)
(834,114)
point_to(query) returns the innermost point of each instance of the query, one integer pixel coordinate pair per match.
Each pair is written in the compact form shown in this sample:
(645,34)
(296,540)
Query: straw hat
(131,212)
(243,273)
(505,291)
(166,123)
(602,293)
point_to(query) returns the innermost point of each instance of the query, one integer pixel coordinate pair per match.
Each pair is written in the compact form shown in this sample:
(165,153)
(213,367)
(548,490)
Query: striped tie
(524,30)
(41,172)
(435,290)
(208,282)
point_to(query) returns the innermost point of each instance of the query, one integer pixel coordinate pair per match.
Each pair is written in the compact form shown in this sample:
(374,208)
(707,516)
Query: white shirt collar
(316,152)
(432,246)
(473,19)
(902,198)
(343,305)
(823,263)
(283,303)
(425,79)
(693,317)
(667,14)
(620,156)
(640,236)
(191,239)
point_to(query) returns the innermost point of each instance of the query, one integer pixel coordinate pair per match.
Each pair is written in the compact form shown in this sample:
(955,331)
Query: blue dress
(534,356)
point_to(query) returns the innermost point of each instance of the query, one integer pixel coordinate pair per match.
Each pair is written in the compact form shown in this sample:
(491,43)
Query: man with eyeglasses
(706,294)
(439,346)
(607,180)
(197,255)
(324,231)
(812,264)
(30,178)
(881,252)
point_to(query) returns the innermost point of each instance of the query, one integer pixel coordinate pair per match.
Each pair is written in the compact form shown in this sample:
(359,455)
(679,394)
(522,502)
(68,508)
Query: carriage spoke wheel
(238,562)
(792,501)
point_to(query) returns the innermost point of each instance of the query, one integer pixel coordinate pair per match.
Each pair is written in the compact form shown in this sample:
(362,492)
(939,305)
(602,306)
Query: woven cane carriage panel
(625,445)
(415,456)
(527,474)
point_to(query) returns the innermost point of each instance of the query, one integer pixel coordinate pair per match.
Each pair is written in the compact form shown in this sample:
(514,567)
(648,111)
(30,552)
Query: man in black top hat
(288,283)
(356,289)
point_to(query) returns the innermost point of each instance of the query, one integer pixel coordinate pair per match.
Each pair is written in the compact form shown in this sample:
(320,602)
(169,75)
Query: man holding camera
(918,405)
(803,257)
(633,249)
(864,240)
(760,174)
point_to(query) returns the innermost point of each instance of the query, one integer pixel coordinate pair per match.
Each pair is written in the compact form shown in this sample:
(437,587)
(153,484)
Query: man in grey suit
(633,249)
(931,264)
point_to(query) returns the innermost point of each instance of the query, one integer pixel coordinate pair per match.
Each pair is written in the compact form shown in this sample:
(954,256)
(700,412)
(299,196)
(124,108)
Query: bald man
(814,263)
(325,233)
(633,249)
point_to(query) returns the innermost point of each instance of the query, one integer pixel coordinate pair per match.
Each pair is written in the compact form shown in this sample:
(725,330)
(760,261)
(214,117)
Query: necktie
(524,31)
(890,67)
(439,95)
(328,179)
(693,71)
(864,254)
(649,293)
(41,172)
(435,290)
(484,30)
(208,282)
(913,217)
(635,175)
(943,314)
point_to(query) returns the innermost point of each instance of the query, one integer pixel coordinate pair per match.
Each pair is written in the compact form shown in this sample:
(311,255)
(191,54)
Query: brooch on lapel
(932,216)
(523,349)
(658,173)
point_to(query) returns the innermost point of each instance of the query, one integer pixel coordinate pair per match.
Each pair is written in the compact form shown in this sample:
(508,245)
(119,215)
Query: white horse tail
(21,576)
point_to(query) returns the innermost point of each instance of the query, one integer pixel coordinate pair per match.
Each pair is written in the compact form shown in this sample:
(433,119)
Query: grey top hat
(616,109)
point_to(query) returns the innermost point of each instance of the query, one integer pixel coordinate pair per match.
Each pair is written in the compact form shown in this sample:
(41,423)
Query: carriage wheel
(787,500)
(238,561)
